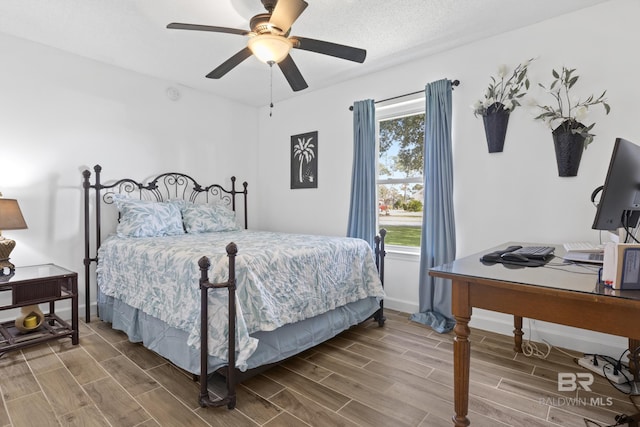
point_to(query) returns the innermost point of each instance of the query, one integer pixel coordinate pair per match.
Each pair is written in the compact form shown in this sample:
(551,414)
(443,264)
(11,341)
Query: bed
(177,273)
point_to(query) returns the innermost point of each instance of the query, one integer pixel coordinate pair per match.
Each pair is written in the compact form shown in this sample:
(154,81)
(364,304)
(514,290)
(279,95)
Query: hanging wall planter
(502,96)
(569,147)
(571,138)
(496,120)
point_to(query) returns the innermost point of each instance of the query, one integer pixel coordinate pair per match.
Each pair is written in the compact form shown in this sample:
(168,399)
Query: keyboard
(590,257)
(535,252)
(582,247)
(595,257)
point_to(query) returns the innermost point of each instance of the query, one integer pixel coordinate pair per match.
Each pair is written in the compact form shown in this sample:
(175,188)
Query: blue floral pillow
(200,218)
(143,218)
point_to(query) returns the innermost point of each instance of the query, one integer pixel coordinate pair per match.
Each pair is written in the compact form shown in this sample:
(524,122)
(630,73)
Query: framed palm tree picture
(304,160)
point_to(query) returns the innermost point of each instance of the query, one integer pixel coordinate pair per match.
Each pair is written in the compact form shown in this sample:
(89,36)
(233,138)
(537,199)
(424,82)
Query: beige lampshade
(10,215)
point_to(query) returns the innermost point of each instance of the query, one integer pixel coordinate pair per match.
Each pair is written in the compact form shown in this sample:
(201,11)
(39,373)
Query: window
(400,130)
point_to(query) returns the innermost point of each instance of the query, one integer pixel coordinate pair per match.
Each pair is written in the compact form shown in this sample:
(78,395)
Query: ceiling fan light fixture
(270,48)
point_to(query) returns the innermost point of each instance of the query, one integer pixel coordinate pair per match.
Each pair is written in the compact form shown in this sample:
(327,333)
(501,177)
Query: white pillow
(144,218)
(201,218)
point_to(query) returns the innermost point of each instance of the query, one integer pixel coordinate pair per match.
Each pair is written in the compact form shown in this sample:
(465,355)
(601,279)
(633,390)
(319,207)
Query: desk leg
(517,334)
(461,309)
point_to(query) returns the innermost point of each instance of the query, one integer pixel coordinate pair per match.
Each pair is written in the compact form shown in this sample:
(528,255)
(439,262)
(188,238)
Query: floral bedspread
(281,278)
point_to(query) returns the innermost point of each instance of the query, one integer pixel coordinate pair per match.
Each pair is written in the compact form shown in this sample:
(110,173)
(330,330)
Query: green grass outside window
(402,235)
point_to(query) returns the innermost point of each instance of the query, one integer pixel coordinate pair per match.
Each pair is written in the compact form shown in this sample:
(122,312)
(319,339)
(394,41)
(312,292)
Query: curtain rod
(453,83)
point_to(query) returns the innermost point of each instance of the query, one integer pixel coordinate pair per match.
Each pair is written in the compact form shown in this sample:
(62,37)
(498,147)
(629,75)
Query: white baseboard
(399,305)
(567,337)
(562,336)
(62,312)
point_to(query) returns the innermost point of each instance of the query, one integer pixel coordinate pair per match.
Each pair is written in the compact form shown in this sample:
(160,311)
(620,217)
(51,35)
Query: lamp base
(6,246)
(6,268)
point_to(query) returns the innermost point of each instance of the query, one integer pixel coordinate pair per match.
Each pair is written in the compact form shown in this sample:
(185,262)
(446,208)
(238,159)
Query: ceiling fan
(270,42)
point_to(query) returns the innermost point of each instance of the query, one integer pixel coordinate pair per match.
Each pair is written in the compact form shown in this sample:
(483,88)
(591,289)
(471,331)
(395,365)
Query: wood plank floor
(397,375)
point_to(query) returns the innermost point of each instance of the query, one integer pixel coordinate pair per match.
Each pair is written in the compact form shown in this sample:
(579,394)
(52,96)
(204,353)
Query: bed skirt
(273,346)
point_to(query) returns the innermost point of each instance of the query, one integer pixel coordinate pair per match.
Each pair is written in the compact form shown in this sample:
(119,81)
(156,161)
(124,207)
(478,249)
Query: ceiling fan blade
(229,64)
(196,27)
(286,12)
(292,74)
(327,48)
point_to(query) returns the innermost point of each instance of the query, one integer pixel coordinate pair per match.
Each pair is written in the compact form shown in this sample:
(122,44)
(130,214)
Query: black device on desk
(532,252)
(527,256)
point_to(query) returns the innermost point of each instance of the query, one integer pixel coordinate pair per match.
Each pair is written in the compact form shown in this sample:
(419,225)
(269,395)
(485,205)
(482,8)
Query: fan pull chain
(271,89)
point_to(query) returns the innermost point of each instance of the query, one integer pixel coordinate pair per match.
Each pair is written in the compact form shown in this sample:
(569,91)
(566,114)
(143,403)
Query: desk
(557,294)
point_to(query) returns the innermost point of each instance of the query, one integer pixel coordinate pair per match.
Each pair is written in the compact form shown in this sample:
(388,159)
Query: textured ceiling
(132,34)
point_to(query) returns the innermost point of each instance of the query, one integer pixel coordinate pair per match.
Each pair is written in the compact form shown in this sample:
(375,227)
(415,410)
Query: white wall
(511,196)
(61,113)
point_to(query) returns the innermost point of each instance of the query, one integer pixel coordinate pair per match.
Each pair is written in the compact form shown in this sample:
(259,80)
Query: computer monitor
(619,205)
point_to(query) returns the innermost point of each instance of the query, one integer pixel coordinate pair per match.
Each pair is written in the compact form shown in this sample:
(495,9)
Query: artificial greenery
(504,92)
(569,113)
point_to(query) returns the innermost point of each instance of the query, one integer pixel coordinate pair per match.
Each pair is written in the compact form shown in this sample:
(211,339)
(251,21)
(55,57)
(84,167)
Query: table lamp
(10,219)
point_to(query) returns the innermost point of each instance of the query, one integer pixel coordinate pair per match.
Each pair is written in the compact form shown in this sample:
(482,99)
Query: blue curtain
(362,210)
(438,245)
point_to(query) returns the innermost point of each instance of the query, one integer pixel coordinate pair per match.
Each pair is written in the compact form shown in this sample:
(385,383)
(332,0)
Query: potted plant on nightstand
(570,136)
(501,98)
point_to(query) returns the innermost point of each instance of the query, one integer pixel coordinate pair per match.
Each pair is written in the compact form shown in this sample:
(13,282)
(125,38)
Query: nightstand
(33,285)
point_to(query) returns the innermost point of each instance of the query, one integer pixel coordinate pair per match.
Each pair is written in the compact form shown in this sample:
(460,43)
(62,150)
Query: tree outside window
(400,178)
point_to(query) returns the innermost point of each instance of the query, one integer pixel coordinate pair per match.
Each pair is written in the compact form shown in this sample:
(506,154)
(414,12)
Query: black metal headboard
(164,187)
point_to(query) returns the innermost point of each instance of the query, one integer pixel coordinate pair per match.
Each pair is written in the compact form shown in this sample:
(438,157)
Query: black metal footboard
(230,284)
(380,253)
(204,263)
